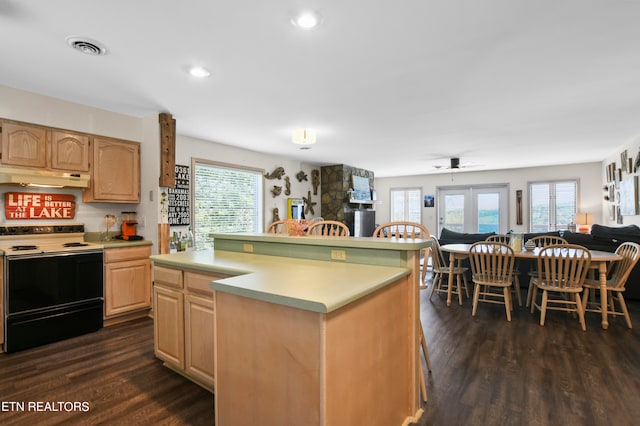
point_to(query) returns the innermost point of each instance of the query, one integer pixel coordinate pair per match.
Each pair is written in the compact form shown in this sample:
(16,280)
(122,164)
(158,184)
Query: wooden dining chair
(328,228)
(539,242)
(411,230)
(407,230)
(616,281)
(277,227)
(562,269)
(441,270)
(491,269)
(505,239)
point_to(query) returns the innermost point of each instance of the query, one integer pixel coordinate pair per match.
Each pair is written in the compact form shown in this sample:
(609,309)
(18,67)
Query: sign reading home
(179,198)
(30,205)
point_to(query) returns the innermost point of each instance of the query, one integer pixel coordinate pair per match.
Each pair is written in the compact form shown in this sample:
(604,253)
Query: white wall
(188,148)
(633,148)
(589,176)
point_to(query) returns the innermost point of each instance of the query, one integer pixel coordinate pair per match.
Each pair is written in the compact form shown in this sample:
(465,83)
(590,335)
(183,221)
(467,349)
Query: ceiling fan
(454,163)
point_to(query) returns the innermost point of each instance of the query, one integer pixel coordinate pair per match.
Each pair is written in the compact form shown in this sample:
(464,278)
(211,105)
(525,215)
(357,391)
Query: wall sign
(31,205)
(179,203)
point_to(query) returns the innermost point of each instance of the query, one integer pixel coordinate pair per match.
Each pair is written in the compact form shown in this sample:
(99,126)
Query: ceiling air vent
(86,45)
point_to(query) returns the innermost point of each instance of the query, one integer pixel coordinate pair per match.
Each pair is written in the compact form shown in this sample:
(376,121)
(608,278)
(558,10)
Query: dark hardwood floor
(486,371)
(114,370)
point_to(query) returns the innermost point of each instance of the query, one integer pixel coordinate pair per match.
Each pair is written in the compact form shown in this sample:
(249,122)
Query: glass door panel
(452,216)
(488,212)
(475,209)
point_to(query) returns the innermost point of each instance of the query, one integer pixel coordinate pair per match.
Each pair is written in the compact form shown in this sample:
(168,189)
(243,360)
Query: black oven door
(53,296)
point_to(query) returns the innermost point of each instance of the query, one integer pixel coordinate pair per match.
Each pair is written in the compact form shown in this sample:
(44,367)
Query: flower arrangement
(297,227)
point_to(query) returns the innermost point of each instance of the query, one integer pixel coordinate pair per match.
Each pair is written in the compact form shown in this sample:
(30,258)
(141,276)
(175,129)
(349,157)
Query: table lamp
(584,222)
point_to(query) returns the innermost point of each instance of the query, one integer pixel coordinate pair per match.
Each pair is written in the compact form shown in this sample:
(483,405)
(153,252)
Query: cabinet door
(69,151)
(24,145)
(127,286)
(115,172)
(199,339)
(168,324)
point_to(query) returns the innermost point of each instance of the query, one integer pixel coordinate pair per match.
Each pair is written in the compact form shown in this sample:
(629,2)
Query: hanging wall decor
(277,173)
(629,196)
(31,205)
(287,185)
(429,200)
(315,180)
(179,205)
(519,207)
(308,204)
(301,176)
(276,190)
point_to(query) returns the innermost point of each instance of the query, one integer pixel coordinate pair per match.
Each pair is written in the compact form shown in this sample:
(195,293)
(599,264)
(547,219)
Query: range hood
(43,178)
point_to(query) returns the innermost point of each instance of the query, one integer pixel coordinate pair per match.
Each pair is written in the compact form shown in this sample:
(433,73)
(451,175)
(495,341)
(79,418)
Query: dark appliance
(361,223)
(53,284)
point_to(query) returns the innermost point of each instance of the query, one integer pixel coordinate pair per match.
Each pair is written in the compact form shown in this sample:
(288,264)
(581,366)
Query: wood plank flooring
(114,370)
(486,371)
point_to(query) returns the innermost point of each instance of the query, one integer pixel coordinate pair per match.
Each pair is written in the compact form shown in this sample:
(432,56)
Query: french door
(473,208)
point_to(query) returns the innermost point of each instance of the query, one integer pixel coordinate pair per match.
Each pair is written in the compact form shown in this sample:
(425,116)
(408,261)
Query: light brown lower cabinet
(127,282)
(184,322)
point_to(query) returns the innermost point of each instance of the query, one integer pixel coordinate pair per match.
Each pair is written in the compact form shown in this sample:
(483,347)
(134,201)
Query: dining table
(599,261)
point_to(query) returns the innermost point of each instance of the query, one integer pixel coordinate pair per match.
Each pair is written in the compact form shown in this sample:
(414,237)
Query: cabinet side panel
(369,360)
(268,363)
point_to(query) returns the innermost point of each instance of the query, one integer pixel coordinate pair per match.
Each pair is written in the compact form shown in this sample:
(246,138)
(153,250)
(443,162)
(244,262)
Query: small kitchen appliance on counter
(129,223)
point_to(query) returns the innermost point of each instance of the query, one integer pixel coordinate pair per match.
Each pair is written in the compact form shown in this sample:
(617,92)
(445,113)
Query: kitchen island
(299,340)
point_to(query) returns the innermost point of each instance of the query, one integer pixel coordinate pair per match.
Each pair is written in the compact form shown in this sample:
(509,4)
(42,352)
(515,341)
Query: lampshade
(304,137)
(584,219)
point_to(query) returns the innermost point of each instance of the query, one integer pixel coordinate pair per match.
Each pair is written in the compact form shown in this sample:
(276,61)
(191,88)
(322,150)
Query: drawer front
(200,283)
(126,253)
(167,277)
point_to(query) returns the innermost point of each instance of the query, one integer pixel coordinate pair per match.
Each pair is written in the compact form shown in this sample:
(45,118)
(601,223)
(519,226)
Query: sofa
(604,238)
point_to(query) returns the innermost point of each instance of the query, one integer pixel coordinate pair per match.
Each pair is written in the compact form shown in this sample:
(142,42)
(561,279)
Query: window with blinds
(552,205)
(226,198)
(406,205)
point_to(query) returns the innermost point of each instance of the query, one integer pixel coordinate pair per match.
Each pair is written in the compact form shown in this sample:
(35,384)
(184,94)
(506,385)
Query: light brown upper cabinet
(115,172)
(24,145)
(69,151)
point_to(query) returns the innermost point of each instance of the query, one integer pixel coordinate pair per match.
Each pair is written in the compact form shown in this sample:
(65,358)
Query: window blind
(226,199)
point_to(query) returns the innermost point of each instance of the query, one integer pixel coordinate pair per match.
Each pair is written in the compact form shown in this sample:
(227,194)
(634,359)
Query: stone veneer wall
(335,182)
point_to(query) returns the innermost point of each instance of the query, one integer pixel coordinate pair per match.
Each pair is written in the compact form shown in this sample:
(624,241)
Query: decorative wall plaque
(31,205)
(179,200)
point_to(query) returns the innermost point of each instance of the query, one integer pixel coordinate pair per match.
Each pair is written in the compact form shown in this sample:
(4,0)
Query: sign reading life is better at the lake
(31,205)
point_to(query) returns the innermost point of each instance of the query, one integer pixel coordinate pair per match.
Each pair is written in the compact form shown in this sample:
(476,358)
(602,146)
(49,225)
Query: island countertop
(313,285)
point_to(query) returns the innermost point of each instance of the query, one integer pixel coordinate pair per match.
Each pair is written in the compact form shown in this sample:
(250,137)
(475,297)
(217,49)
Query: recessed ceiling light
(306,20)
(199,72)
(87,45)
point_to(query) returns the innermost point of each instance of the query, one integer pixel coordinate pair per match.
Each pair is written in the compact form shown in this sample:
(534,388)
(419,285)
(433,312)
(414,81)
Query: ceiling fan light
(304,137)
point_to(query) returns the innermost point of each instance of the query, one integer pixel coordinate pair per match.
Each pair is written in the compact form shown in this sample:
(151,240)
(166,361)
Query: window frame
(406,203)
(259,174)
(553,206)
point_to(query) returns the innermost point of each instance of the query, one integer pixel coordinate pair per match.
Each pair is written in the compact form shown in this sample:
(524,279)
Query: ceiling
(392,87)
